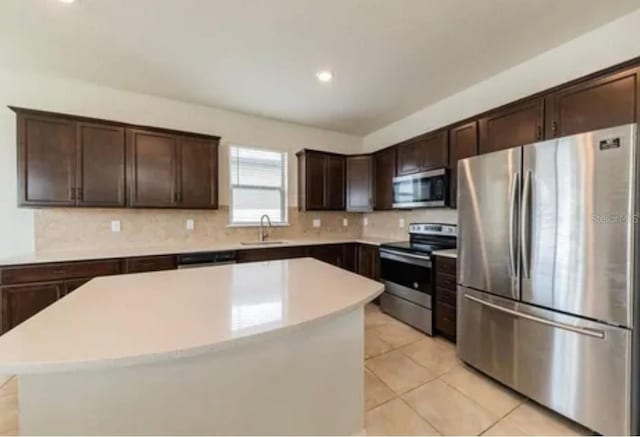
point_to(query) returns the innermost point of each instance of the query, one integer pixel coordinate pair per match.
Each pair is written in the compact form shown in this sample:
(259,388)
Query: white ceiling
(389,57)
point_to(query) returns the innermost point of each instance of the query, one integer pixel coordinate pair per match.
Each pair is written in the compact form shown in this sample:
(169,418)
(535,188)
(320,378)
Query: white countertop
(65,256)
(147,317)
(449,253)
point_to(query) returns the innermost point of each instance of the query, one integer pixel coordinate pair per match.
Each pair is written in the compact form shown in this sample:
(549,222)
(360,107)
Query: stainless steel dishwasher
(206,259)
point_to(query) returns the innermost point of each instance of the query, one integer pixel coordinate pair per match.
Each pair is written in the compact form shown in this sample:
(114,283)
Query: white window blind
(258,185)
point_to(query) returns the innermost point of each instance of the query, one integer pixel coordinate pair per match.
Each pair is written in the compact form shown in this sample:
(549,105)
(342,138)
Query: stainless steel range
(406,270)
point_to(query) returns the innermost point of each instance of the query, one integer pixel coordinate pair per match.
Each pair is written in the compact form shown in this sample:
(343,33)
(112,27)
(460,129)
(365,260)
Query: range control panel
(434,229)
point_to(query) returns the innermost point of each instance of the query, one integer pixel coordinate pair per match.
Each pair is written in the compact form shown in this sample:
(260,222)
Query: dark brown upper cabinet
(46,160)
(360,183)
(426,152)
(69,160)
(463,143)
(63,162)
(198,159)
(511,126)
(384,170)
(171,171)
(101,165)
(335,191)
(598,103)
(321,180)
(153,169)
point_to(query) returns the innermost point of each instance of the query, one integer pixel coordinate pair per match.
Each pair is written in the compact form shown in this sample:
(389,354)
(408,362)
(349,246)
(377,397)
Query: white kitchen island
(261,348)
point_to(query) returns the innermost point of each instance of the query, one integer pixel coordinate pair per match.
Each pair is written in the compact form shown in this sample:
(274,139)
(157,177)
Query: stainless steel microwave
(429,189)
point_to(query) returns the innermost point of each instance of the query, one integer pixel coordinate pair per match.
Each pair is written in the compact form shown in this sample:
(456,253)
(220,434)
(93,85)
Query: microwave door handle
(513,218)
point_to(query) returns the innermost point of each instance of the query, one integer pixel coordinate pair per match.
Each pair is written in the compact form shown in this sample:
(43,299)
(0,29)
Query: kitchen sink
(262,243)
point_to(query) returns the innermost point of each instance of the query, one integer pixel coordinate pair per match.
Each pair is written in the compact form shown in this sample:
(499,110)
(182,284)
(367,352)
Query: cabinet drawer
(446,296)
(150,264)
(446,320)
(58,271)
(268,254)
(446,265)
(445,280)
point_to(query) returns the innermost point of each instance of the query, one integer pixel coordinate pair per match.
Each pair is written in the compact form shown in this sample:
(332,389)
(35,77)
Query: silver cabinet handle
(578,330)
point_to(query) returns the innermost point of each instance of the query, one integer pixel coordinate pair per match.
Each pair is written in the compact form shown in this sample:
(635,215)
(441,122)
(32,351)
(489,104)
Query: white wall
(610,44)
(74,97)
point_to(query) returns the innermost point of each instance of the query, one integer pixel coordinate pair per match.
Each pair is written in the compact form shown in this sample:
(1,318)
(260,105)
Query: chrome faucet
(264,234)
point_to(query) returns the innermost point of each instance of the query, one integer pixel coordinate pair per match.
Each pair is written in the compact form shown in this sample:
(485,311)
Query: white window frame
(283,188)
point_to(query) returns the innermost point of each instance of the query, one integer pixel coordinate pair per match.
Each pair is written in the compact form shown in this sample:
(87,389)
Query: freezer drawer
(579,368)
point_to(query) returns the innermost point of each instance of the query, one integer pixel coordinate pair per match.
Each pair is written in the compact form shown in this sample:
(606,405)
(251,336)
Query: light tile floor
(414,385)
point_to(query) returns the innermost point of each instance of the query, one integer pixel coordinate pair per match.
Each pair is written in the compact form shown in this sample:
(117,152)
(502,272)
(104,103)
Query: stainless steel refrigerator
(547,272)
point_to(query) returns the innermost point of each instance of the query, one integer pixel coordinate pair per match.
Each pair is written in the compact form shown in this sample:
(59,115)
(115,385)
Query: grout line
(421,416)
(7,381)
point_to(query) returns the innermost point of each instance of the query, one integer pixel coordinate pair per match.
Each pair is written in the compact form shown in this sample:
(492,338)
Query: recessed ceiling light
(67,1)
(324,75)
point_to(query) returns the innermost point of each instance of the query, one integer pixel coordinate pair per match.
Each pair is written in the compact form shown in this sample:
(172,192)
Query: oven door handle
(417,260)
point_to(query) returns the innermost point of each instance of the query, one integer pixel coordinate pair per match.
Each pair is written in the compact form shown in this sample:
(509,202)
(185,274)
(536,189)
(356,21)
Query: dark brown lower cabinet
(270,254)
(368,261)
(150,264)
(330,253)
(445,297)
(27,289)
(73,284)
(19,302)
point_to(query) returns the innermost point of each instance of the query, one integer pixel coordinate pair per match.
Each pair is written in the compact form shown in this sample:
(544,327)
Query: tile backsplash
(86,229)
(387,224)
(64,229)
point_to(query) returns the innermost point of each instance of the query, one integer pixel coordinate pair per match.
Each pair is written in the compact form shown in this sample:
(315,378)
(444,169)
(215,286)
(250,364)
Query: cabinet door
(46,160)
(198,173)
(315,180)
(150,264)
(101,165)
(350,257)
(331,254)
(368,261)
(515,125)
(594,104)
(434,151)
(360,183)
(74,284)
(335,182)
(463,143)
(385,171)
(152,162)
(23,301)
(409,157)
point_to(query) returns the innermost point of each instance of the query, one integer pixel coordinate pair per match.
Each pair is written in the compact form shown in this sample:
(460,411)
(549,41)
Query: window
(258,185)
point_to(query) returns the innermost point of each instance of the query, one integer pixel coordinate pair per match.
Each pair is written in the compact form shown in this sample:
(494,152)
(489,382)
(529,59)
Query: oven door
(407,276)
(420,190)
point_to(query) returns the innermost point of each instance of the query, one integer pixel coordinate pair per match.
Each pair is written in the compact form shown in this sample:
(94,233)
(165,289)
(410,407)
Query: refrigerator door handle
(513,211)
(525,225)
(577,329)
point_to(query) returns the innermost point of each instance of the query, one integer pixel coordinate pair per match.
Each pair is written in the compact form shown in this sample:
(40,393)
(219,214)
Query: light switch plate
(345,222)
(365,221)
(401,222)
(115,226)
(317,223)
(190,224)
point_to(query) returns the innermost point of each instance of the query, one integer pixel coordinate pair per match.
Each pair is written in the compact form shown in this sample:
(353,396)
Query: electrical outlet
(365,221)
(345,222)
(317,223)
(115,226)
(401,222)
(190,225)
